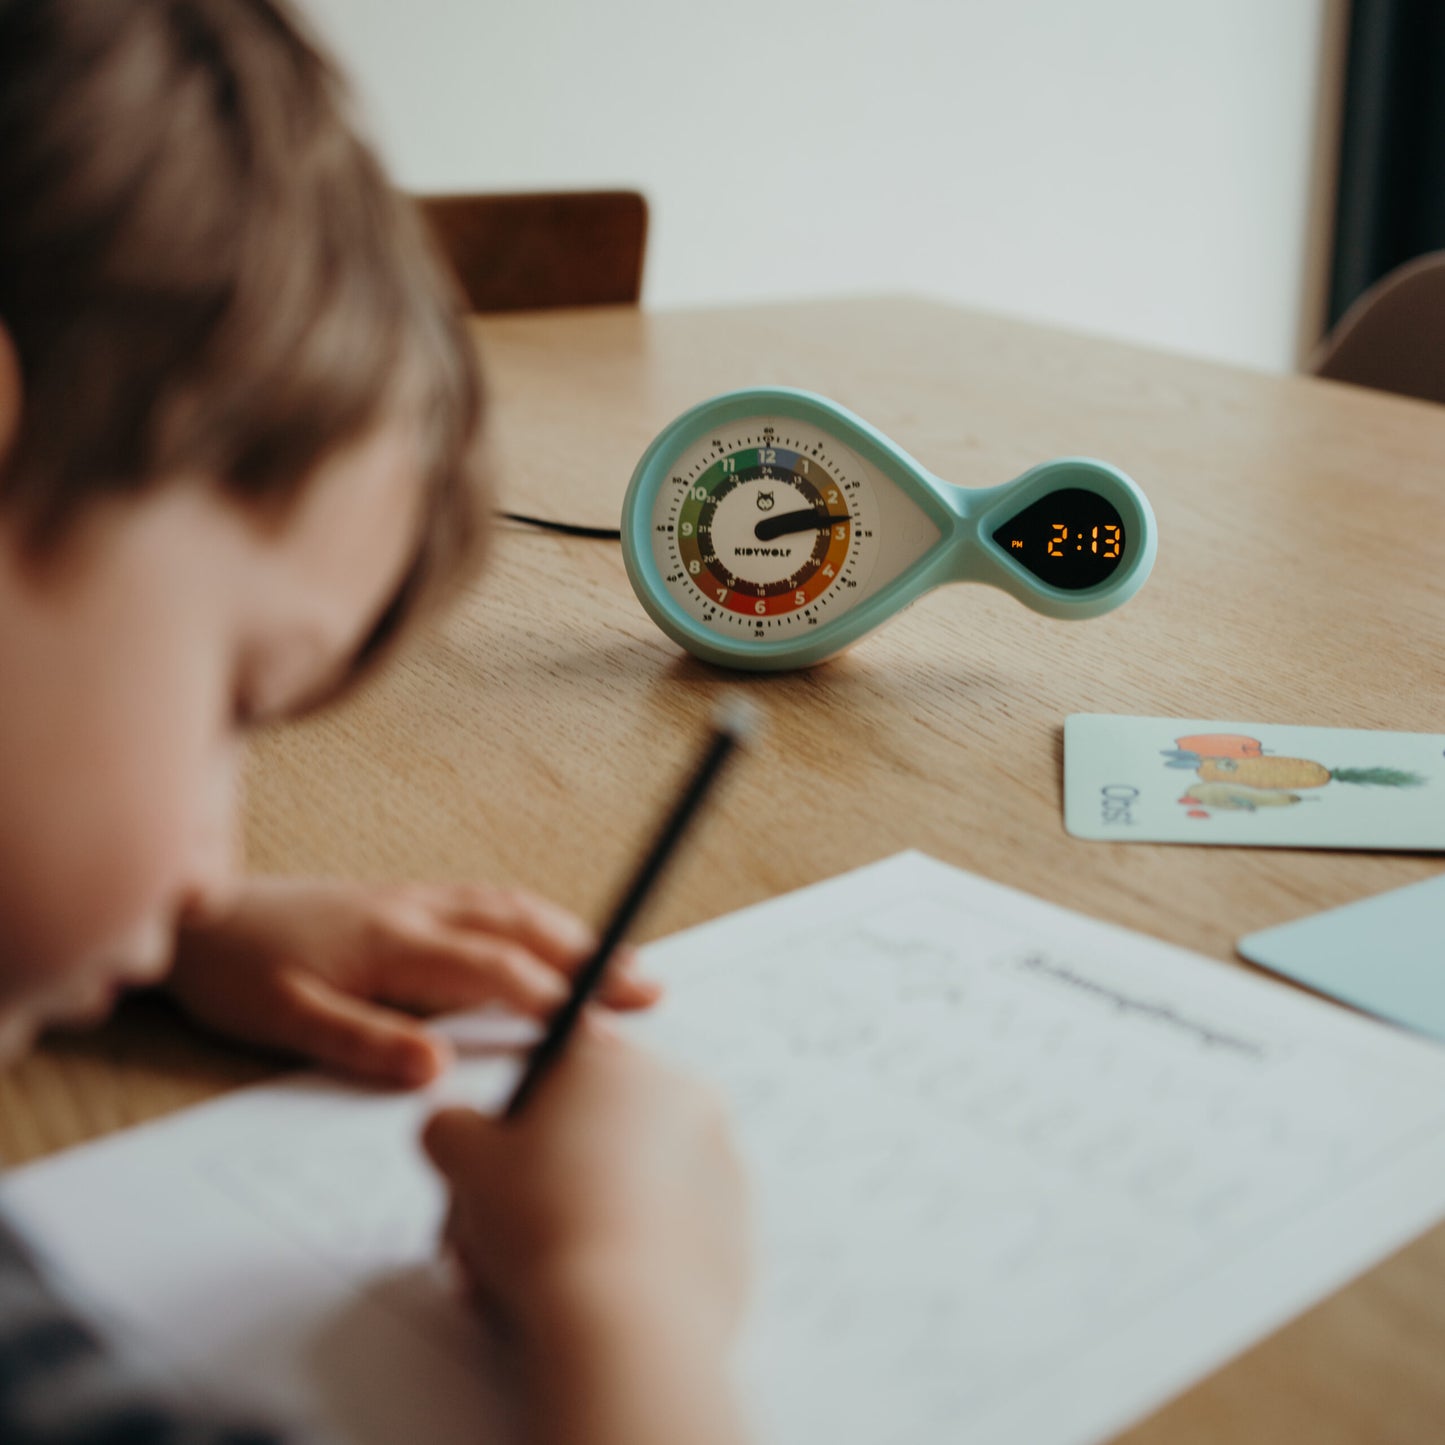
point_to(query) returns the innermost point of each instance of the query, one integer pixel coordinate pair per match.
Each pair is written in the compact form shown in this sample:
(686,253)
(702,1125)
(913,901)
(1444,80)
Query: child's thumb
(457,1139)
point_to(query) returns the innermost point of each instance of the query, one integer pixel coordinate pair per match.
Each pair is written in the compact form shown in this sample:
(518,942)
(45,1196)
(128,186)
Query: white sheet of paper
(1019,1177)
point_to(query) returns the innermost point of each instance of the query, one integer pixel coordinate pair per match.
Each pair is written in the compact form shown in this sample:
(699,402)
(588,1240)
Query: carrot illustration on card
(1237,774)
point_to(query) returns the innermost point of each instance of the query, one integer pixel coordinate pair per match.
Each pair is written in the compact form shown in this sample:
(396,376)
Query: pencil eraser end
(743,720)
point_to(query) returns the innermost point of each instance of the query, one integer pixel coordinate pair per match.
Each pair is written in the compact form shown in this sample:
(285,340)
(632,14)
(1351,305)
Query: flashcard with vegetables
(1167,780)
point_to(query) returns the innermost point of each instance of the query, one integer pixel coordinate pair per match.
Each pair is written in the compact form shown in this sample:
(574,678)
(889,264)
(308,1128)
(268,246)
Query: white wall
(1131,167)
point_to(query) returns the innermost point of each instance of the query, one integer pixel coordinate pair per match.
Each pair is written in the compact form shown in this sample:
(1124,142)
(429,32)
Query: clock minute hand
(808,520)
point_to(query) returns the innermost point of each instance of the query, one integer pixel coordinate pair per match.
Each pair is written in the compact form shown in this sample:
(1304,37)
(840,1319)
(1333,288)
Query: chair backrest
(1393,337)
(525,252)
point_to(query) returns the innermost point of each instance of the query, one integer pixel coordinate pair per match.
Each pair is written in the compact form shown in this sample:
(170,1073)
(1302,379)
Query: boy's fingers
(358,1037)
(624,989)
(459,970)
(547,929)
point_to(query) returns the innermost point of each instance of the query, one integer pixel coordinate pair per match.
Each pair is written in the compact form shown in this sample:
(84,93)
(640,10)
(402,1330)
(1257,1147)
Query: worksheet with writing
(1018,1176)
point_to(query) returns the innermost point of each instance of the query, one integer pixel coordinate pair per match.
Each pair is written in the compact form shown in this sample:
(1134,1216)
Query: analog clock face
(765,527)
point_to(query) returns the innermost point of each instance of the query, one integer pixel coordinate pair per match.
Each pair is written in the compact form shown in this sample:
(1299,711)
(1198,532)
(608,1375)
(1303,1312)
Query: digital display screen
(1071,538)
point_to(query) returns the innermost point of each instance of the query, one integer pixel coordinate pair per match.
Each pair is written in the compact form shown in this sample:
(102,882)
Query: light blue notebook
(1385,955)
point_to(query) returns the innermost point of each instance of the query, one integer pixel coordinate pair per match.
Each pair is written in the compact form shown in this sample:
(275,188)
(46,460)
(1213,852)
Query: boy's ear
(9,394)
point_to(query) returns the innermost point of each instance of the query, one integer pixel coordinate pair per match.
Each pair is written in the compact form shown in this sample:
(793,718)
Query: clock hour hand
(808,520)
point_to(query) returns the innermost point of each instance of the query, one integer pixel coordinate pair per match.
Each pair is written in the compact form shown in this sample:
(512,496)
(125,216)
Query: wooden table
(1301,578)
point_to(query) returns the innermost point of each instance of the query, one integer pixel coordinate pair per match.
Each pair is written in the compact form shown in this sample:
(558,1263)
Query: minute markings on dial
(727,575)
(744,586)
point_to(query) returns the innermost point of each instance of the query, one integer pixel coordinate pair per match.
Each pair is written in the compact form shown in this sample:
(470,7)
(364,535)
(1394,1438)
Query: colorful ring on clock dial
(720,514)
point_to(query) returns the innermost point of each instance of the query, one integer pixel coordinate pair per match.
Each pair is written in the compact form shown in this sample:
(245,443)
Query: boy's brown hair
(205,273)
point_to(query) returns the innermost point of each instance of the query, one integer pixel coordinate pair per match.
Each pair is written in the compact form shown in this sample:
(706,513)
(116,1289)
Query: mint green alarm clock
(770,528)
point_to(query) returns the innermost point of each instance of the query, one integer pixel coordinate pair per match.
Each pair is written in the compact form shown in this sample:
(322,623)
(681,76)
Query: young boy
(238,454)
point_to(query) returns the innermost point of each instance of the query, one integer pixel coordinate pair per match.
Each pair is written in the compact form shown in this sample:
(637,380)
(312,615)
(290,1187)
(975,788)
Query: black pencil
(733,724)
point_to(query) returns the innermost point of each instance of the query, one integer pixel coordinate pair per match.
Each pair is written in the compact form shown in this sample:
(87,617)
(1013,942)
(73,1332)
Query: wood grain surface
(536,734)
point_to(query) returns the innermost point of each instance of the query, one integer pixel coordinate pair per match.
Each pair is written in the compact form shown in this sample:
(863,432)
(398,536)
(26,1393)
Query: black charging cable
(568,529)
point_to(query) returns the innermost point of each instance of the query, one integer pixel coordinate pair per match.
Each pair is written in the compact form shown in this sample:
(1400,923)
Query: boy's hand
(610,1213)
(325,970)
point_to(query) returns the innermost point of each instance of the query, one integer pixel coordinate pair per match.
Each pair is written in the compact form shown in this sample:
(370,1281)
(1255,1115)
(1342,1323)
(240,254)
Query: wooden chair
(1393,337)
(526,252)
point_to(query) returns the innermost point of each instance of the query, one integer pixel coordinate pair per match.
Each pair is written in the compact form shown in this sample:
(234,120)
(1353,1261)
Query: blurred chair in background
(1393,337)
(528,252)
